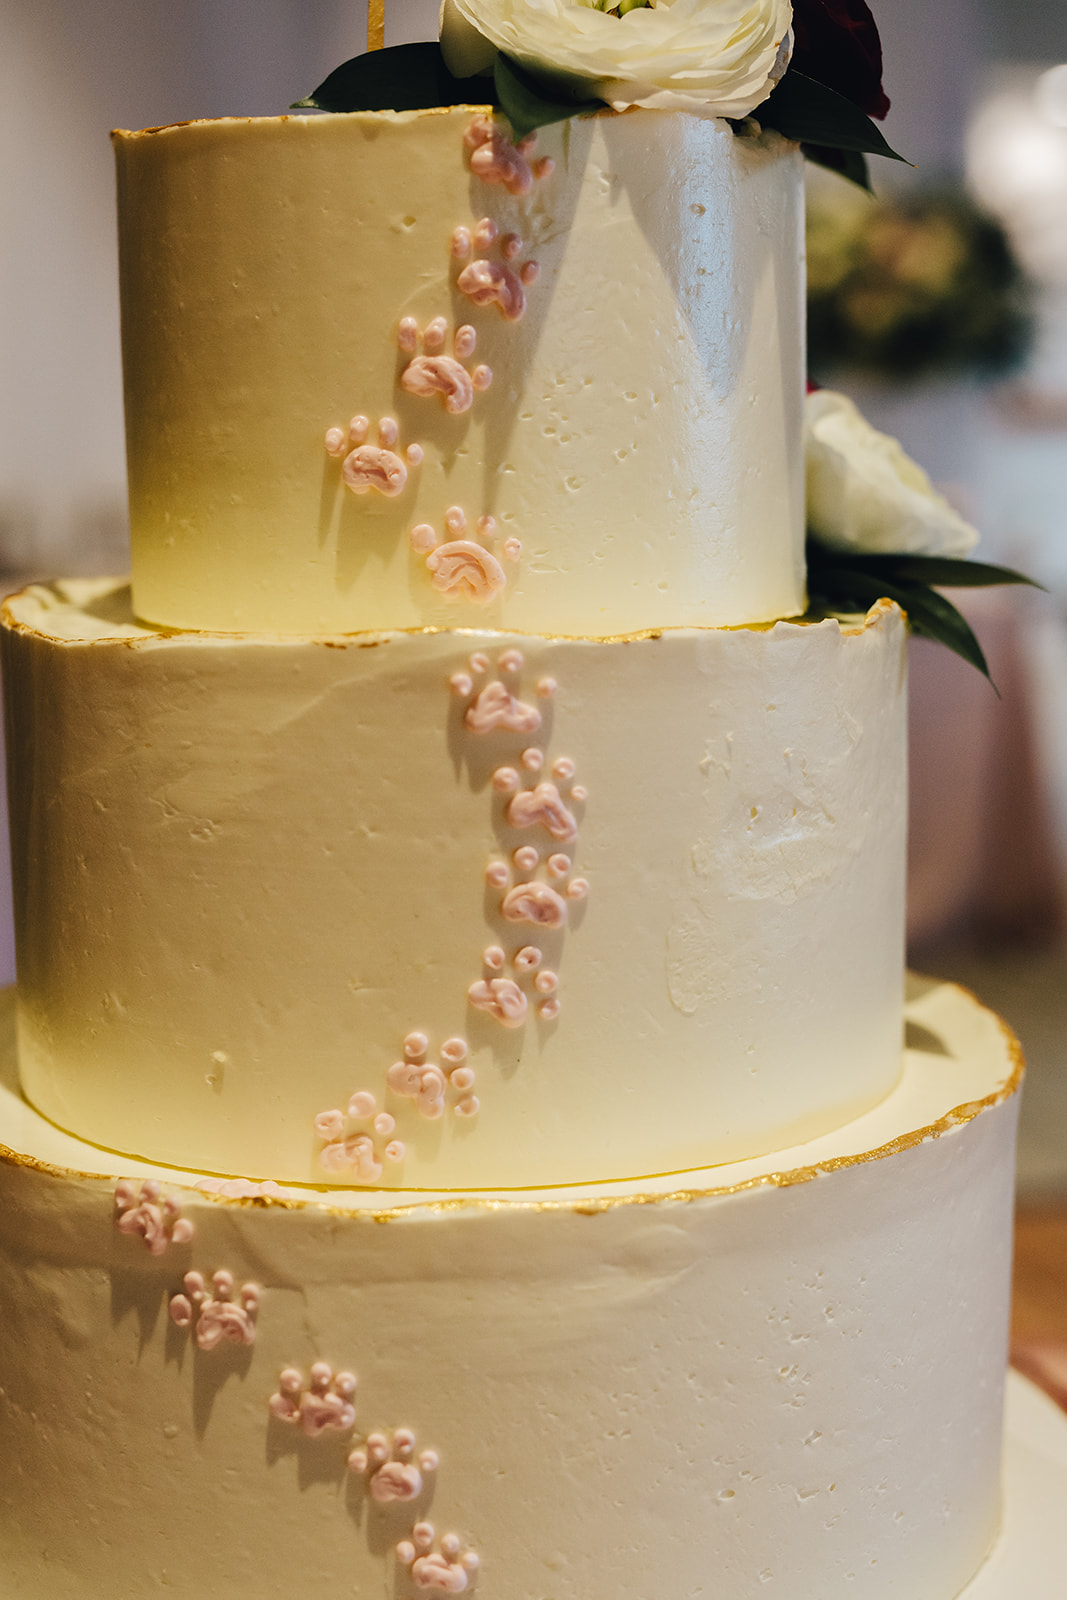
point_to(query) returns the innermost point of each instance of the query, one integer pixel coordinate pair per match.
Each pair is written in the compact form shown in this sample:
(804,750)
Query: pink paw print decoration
(426,1083)
(150,1215)
(218,1316)
(372,467)
(325,1406)
(435,373)
(460,568)
(488,282)
(360,1151)
(391,1470)
(445,1570)
(537,883)
(495,159)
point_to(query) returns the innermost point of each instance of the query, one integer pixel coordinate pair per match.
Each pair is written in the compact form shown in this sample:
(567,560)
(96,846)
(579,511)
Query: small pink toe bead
(357,1461)
(510,245)
(429,1460)
(544,168)
(422,1535)
(450,1546)
(529,272)
(487,528)
(405,1552)
(423,538)
(384,1123)
(482,378)
(579,792)
(465,341)
(511,661)
(460,683)
(455,1050)
(513,549)
(469,1106)
(462,1079)
(496,874)
(434,337)
(461,243)
(528,958)
(471,1561)
(559,866)
(526,857)
(577,889)
(549,1009)
(505,779)
(329,1124)
(546,982)
(335,441)
(533,759)
(415,1044)
(547,687)
(479,661)
(357,428)
(362,1104)
(563,768)
(395,1150)
(485,232)
(414,454)
(493,957)
(407,334)
(388,431)
(455,519)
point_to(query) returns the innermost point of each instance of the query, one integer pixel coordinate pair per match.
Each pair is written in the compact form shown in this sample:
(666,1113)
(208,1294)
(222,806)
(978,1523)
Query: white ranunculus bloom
(717,58)
(865,494)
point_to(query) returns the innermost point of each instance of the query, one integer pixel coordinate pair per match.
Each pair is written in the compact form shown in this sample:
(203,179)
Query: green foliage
(846,581)
(404,77)
(914,286)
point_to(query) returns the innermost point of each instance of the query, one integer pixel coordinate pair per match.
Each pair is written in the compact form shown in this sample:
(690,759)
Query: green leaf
(809,112)
(404,77)
(945,572)
(929,613)
(850,164)
(531,102)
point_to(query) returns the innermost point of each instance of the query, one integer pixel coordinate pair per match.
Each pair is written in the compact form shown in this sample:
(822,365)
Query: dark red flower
(837,43)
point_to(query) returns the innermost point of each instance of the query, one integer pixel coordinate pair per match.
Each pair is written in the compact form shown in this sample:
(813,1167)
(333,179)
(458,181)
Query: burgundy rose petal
(836,42)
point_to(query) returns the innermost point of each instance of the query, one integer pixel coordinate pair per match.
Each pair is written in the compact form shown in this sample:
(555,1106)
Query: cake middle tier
(453,909)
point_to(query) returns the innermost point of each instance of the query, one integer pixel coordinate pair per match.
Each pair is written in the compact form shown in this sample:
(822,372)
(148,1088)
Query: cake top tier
(387,370)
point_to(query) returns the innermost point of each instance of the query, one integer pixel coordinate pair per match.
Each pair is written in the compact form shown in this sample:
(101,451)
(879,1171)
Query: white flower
(864,493)
(718,58)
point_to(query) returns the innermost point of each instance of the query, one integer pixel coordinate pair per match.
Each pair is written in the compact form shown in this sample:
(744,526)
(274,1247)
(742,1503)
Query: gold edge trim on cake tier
(367,638)
(311,114)
(590,1205)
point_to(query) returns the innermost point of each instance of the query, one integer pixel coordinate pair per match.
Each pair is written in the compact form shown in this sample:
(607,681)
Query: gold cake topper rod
(375,24)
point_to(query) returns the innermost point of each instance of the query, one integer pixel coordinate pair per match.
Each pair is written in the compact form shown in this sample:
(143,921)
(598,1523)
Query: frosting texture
(634,293)
(658,934)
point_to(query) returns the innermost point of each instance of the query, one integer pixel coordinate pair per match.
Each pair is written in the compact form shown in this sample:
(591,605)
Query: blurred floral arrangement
(915,286)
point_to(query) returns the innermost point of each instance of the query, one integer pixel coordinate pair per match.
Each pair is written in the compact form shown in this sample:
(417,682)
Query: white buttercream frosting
(251,866)
(787,1371)
(641,440)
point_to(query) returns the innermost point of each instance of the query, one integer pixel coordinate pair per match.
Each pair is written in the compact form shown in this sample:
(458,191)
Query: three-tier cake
(468,1139)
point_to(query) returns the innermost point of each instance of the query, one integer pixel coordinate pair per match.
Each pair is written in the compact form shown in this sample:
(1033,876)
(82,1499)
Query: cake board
(1029,1560)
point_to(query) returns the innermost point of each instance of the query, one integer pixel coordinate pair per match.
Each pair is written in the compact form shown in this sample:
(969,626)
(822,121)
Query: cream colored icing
(642,440)
(734,904)
(785,1372)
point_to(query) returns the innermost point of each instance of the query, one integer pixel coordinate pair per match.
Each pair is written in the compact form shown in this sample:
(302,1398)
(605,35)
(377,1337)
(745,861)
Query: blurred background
(941,306)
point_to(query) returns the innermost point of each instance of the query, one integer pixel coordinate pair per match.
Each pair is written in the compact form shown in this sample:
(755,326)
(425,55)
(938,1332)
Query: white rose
(718,58)
(864,493)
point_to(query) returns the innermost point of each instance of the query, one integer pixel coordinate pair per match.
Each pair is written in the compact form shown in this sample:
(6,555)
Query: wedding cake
(465,1138)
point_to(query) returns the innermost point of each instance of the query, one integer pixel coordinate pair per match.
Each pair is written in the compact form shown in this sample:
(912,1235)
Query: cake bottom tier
(785,1377)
